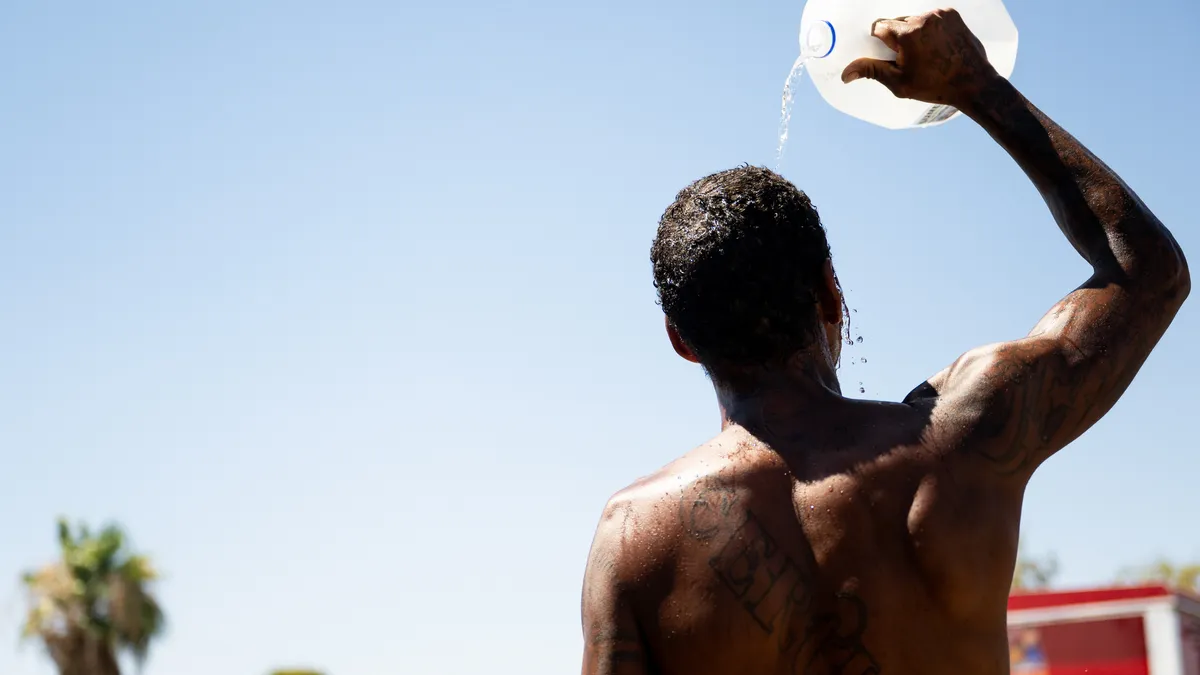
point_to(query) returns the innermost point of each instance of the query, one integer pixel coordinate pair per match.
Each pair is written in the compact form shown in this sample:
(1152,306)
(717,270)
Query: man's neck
(805,386)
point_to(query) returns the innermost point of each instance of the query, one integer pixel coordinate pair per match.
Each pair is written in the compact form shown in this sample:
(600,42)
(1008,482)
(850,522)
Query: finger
(889,30)
(883,72)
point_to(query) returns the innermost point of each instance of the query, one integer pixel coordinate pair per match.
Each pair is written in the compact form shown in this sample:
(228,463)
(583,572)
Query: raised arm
(1014,404)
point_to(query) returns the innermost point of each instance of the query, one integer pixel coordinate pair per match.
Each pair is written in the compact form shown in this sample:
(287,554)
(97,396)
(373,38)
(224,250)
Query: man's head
(744,275)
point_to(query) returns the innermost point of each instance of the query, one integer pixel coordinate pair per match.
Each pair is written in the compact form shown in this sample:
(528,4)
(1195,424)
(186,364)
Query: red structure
(1145,630)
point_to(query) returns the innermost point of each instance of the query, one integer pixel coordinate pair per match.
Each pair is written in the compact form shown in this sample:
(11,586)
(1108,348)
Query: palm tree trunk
(103,660)
(82,655)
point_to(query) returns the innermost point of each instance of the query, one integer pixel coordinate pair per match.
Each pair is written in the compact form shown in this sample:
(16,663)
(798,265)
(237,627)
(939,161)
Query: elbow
(1158,272)
(1179,282)
(1172,280)
(1185,276)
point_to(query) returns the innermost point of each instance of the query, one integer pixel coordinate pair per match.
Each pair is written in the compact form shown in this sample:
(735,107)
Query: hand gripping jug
(835,32)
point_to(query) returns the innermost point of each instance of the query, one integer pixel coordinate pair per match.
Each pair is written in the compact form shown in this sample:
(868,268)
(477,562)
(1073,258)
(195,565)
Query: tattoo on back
(775,590)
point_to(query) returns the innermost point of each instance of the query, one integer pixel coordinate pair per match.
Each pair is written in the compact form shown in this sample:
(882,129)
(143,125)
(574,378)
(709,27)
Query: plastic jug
(835,32)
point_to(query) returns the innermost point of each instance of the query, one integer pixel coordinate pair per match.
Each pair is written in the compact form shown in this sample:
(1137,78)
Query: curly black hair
(738,261)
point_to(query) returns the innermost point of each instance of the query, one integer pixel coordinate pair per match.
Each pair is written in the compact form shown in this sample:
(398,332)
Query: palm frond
(94,601)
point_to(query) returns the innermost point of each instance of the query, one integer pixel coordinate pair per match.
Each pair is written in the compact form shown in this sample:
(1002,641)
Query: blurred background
(343,313)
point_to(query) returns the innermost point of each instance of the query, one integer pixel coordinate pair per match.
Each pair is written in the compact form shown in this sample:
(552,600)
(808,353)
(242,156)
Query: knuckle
(951,16)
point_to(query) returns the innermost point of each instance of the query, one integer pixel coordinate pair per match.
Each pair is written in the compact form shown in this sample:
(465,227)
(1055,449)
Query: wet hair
(738,261)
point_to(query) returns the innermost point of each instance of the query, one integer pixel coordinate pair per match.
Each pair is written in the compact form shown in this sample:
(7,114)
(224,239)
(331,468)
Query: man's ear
(680,346)
(830,297)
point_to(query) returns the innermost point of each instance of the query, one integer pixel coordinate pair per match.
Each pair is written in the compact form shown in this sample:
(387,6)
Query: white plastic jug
(834,33)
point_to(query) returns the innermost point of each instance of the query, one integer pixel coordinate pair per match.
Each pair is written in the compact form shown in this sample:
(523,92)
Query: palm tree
(93,603)
(1180,577)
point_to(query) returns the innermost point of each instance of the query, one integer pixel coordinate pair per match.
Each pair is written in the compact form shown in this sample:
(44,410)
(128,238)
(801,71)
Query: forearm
(1105,221)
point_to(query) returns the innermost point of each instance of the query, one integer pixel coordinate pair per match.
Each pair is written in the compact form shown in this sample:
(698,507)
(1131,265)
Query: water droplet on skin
(849,342)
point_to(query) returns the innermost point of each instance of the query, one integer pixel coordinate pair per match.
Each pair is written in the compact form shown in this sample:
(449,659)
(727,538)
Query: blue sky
(345,310)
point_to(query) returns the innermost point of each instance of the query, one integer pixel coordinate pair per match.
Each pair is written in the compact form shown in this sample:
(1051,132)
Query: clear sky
(344,309)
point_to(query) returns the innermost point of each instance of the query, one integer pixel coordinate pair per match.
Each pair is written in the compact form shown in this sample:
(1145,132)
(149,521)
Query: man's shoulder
(659,511)
(635,534)
(648,505)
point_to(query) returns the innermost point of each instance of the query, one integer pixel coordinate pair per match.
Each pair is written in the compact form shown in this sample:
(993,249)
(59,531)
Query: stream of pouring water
(789,98)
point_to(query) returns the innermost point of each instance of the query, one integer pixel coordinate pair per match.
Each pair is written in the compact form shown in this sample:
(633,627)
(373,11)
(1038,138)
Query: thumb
(886,73)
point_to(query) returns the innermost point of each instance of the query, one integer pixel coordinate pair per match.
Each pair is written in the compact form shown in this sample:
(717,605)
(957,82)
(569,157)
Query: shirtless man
(822,535)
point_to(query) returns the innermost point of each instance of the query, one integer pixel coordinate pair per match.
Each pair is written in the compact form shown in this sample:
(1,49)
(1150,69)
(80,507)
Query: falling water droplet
(864,360)
(859,340)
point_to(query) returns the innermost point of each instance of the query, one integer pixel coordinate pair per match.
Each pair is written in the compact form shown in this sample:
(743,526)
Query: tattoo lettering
(835,642)
(710,510)
(763,578)
(775,590)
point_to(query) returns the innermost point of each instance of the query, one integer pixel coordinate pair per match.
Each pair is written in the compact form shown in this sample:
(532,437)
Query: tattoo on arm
(613,643)
(1045,391)
(1036,395)
(611,652)
(1091,204)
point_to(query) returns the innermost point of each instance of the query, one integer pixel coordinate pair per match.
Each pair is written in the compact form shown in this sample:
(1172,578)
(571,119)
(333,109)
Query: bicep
(1019,402)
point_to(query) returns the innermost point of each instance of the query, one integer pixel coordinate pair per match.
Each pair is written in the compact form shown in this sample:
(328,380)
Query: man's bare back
(782,560)
(822,535)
